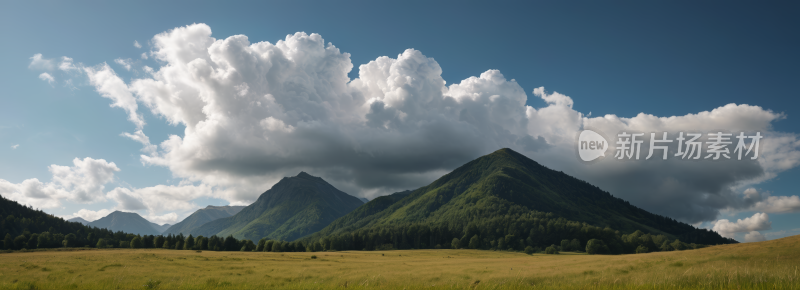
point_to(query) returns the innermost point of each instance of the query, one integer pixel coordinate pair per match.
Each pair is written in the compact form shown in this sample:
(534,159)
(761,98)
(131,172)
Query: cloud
(140,137)
(144,55)
(126,63)
(109,85)
(33,192)
(83,182)
(47,77)
(754,236)
(256,112)
(136,44)
(757,222)
(40,63)
(15,146)
(778,204)
(125,200)
(67,65)
(169,218)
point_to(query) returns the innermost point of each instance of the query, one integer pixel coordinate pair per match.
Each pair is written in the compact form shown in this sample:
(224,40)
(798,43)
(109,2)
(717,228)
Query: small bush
(313,256)
(551,250)
(529,250)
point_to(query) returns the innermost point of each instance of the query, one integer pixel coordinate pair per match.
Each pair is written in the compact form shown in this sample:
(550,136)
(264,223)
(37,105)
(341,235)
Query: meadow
(765,265)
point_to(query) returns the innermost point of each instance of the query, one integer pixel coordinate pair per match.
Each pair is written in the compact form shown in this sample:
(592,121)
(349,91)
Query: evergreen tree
(158,242)
(189,244)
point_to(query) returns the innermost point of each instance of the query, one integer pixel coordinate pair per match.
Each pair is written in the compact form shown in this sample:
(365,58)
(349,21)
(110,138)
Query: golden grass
(766,265)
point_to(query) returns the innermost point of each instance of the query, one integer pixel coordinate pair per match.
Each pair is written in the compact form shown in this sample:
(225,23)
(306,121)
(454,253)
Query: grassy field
(766,265)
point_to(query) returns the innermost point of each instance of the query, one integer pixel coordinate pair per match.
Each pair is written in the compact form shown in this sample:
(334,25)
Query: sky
(162,108)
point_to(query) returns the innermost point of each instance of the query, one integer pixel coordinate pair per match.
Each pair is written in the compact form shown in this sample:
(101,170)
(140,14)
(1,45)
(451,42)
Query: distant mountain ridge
(78,220)
(201,217)
(128,222)
(292,208)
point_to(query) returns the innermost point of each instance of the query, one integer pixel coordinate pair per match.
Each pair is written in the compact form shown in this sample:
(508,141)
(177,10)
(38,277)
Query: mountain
(505,194)
(127,222)
(292,208)
(201,217)
(79,220)
(363,199)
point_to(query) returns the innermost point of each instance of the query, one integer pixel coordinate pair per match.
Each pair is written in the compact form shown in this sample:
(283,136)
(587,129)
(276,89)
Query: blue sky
(620,58)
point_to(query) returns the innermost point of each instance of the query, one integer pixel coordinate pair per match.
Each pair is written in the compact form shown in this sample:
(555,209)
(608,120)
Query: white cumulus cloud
(47,77)
(40,63)
(83,182)
(754,236)
(111,86)
(126,63)
(757,222)
(136,44)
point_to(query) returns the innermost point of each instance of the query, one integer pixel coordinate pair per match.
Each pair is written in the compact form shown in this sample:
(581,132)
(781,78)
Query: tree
(20,242)
(665,246)
(158,242)
(69,240)
(678,245)
(189,244)
(474,242)
(136,243)
(595,246)
(276,246)
(44,240)
(8,242)
(565,245)
(641,249)
(179,244)
(166,244)
(261,243)
(201,243)
(575,245)
(101,243)
(231,244)
(124,244)
(33,241)
(551,250)
(455,243)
